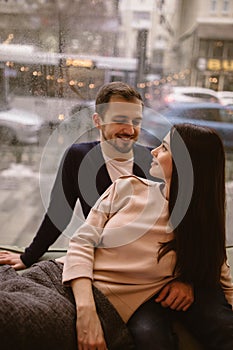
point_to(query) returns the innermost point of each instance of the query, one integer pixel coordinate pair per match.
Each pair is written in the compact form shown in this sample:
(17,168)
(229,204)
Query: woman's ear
(97,120)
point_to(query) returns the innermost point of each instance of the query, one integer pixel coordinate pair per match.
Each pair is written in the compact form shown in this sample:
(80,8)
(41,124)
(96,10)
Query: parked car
(226,97)
(88,105)
(75,123)
(18,126)
(189,94)
(79,126)
(214,115)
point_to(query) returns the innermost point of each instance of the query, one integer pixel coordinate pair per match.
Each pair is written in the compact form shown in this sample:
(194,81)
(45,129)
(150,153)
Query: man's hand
(13,259)
(176,295)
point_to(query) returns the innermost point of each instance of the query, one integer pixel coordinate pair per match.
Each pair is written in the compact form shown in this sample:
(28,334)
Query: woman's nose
(154,152)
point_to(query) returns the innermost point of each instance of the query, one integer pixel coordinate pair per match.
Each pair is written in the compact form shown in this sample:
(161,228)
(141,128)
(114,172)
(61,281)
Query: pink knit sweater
(117,246)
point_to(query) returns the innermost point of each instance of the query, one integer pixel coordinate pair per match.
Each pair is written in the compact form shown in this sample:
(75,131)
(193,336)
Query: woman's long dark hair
(200,235)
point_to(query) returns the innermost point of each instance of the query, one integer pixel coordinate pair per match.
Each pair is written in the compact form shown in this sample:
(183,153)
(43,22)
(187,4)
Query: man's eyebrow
(122,116)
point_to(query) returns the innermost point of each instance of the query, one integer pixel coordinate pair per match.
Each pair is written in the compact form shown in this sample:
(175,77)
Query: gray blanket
(38,312)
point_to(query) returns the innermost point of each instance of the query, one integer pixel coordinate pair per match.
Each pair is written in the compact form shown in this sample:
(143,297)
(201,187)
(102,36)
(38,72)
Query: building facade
(148,43)
(204,43)
(188,42)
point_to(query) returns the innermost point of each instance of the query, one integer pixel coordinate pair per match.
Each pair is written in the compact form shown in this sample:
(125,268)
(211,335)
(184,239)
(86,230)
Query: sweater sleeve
(79,259)
(226,283)
(62,202)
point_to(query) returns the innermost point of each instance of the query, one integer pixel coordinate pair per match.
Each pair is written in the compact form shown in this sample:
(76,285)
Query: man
(87,169)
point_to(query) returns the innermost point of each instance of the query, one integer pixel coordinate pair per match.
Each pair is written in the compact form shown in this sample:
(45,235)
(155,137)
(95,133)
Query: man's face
(120,126)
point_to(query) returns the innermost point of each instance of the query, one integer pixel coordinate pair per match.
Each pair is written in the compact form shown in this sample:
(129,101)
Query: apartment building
(191,40)
(203,43)
(183,42)
(146,31)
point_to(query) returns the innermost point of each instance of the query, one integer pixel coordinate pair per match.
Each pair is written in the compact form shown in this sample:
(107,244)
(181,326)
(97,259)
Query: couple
(145,241)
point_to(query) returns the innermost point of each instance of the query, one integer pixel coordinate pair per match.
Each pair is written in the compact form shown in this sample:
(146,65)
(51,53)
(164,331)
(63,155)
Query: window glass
(213,6)
(225,6)
(227,115)
(203,48)
(54,57)
(230,50)
(218,48)
(201,114)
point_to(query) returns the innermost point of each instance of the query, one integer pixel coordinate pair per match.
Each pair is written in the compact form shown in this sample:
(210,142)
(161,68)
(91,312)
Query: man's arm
(62,202)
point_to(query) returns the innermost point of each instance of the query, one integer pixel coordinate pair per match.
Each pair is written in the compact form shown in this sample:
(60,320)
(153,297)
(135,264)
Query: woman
(141,235)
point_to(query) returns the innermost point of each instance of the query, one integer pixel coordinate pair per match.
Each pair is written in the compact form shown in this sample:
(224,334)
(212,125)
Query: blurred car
(189,94)
(213,115)
(226,97)
(89,105)
(18,126)
(78,126)
(73,124)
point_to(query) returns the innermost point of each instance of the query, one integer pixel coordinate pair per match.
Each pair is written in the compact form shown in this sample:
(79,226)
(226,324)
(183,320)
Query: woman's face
(161,166)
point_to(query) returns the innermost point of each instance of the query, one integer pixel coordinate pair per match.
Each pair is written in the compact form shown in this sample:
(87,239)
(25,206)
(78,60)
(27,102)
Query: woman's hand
(177,295)
(13,259)
(90,335)
(89,331)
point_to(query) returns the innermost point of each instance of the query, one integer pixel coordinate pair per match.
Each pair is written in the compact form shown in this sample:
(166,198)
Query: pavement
(24,196)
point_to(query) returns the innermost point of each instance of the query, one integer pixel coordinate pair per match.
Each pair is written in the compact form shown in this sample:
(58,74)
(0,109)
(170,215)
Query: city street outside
(24,195)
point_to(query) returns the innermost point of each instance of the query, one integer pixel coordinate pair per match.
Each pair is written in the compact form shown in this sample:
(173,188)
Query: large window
(213,6)
(54,57)
(226,6)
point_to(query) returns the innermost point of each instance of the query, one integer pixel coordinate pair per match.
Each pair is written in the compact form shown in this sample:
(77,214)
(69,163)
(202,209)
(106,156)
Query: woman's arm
(89,330)
(78,272)
(226,283)
(79,259)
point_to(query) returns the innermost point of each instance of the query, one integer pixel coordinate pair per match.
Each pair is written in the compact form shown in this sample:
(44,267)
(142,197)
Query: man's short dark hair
(116,88)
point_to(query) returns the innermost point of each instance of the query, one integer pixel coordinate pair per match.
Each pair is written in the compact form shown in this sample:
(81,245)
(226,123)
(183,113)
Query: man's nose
(129,128)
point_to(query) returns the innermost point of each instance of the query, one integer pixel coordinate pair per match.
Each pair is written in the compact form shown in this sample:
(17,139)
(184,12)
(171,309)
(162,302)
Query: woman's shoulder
(125,180)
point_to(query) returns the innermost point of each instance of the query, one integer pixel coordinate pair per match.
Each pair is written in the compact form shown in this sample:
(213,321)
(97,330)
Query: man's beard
(119,144)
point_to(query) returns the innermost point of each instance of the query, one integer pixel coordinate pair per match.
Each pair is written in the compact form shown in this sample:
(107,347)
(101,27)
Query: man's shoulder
(78,151)
(83,147)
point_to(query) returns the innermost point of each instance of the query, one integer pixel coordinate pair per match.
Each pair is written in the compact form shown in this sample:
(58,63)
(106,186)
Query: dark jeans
(209,319)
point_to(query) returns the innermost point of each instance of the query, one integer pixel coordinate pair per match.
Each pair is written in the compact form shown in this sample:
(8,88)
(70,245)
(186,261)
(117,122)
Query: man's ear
(97,120)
